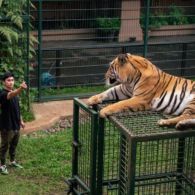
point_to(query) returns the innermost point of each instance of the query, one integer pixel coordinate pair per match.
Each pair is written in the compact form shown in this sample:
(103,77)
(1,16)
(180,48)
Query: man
(10,121)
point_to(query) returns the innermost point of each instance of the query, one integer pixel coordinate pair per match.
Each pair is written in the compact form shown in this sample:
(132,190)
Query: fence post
(146,23)
(39,47)
(27,51)
(180,165)
(183,61)
(93,155)
(75,139)
(100,167)
(132,167)
(58,64)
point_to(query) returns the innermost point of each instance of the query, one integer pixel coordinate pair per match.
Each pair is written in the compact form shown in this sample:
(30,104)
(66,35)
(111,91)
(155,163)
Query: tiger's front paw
(105,112)
(184,124)
(96,99)
(162,122)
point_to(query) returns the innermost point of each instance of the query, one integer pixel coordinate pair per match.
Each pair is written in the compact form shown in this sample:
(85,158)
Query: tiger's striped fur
(138,85)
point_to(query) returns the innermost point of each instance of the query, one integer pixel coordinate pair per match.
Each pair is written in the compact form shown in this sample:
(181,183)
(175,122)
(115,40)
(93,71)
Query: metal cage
(129,153)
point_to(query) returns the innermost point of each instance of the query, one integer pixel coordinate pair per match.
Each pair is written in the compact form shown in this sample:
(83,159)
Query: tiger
(136,84)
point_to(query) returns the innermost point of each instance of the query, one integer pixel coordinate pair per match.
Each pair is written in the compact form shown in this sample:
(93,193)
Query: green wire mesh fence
(129,153)
(78,39)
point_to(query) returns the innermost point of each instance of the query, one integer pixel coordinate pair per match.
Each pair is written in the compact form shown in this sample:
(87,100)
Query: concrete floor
(47,114)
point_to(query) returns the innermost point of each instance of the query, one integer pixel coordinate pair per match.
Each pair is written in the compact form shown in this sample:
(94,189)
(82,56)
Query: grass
(73,90)
(47,163)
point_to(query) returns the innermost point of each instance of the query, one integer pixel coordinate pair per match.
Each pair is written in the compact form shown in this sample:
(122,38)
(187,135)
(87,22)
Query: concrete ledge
(168,30)
(66,34)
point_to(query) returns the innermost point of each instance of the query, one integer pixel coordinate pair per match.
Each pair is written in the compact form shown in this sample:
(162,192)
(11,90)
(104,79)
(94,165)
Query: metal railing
(77,40)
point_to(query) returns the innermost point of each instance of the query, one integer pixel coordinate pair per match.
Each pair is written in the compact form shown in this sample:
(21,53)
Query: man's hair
(7,75)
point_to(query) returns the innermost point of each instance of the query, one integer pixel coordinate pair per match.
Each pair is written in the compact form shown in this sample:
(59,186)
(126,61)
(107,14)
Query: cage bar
(130,154)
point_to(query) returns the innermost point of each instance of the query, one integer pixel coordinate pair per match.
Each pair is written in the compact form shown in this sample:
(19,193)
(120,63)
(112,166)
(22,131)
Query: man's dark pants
(9,140)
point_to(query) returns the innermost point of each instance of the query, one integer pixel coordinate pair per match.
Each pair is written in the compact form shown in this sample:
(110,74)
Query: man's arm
(16,92)
(22,123)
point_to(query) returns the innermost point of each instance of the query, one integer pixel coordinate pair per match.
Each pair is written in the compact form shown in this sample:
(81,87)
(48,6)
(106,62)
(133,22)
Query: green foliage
(8,34)
(173,16)
(158,20)
(73,90)
(26,109)
(108,24)
(107,28)
(176,16)
(46,159)
(191,19)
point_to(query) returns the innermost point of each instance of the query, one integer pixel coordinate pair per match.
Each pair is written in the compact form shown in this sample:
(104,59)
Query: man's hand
(17,91)
(23,85)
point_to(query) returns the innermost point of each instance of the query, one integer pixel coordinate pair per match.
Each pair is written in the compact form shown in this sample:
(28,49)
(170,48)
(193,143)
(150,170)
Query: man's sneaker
(3,170)
(16,165)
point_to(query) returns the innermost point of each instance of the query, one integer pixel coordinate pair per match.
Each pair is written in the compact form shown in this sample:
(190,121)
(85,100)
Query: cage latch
(71,183)
(77,145)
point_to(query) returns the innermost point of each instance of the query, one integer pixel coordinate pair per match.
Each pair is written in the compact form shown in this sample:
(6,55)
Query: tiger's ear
(140,61)
(122,58)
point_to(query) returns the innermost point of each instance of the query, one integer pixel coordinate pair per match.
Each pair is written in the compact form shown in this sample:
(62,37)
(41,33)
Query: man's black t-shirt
(10,112)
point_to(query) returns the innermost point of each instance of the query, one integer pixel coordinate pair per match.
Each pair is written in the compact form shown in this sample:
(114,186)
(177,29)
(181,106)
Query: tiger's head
(125,68)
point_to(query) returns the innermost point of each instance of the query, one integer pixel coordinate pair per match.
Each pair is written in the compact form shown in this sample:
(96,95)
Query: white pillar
(130,17)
